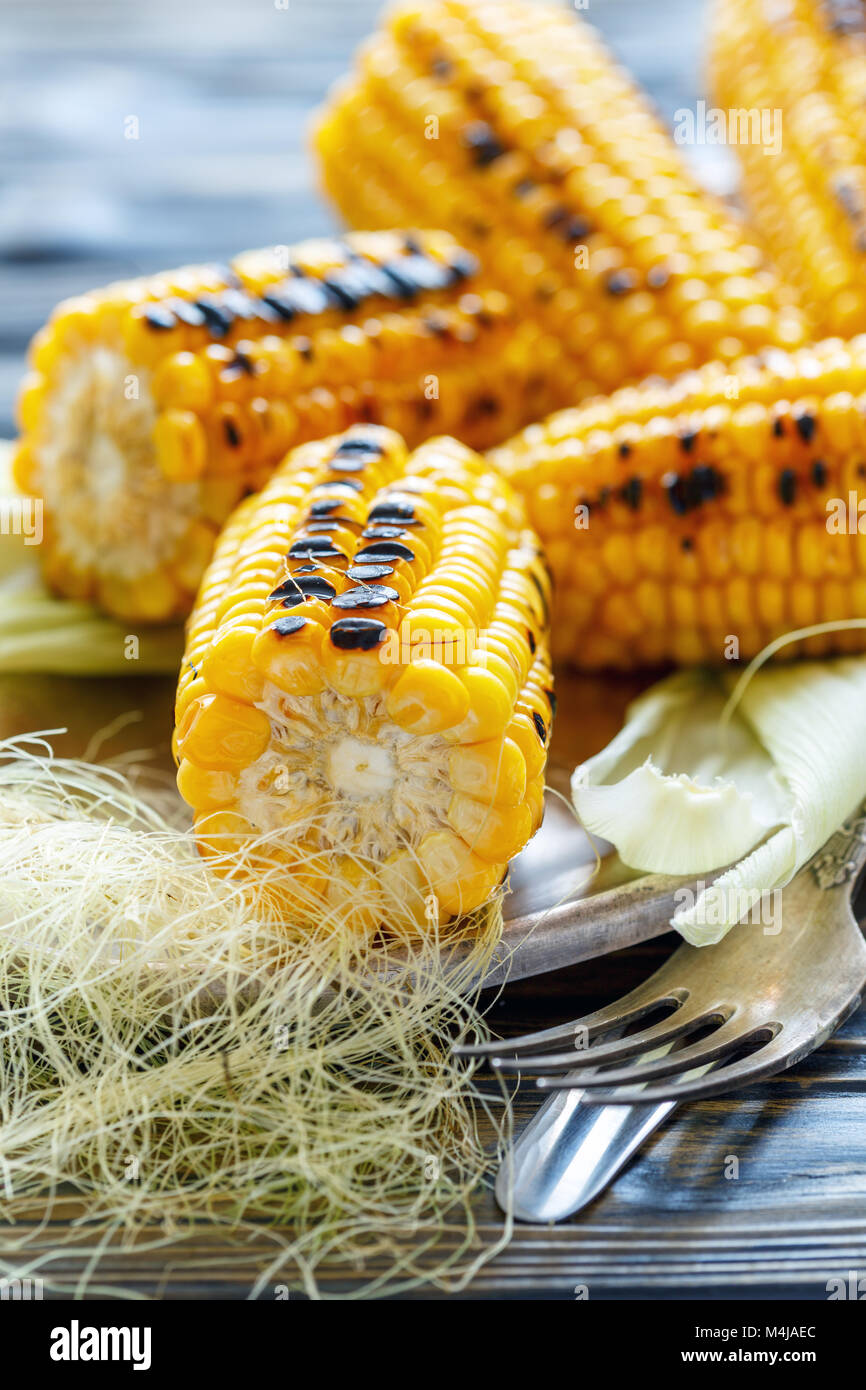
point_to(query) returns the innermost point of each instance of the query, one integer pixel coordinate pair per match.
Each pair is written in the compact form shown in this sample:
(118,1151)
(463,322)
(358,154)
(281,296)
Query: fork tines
(658,1053)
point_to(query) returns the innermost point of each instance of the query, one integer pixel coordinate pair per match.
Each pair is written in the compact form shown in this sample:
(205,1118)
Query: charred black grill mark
(243,363)
(483,144)
(366,596)
(675,487)
(523,188)
(545,607)
(344,288)
(396,511)
(359,444)
(383,533)
(160,318)
(368,574)
(632,493)
(621,282)
(788,486)
(314,547)
(707,483)
(325,506)
(217,319)
(353,484)
(292,622)
(357,634)
(657,277)
(317,586)
(384,553)
(187,312)
(806,425)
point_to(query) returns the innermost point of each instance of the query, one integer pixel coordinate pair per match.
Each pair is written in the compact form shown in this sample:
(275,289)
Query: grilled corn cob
(697,520)
(509,124)
(154,406)
(807,60)
(367,685)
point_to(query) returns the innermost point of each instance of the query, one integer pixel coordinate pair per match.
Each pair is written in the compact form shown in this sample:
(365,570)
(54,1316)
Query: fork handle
(569,1152)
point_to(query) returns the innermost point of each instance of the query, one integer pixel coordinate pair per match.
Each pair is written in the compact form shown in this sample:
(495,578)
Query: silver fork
(776,996)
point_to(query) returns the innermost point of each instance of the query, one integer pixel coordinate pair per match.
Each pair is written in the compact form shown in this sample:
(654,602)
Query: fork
(760,1001)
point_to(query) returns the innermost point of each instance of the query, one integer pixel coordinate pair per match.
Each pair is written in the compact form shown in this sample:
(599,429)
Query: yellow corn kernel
(31,396)
(205,789)
(428,698)
(24,468)
(221,834)
(523,731)
(197,549)
(358,673)
(222,734)
(180,445)
(490,707)
(494,772)
(291,660)
(492,832)
(228,664)
(535,801)
(353,896)
(183,382)
(407,904)
(459,879)
(155,597)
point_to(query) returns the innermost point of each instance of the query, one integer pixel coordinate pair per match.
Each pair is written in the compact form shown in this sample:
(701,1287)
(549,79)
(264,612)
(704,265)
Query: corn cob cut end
(153,406)
(365,704)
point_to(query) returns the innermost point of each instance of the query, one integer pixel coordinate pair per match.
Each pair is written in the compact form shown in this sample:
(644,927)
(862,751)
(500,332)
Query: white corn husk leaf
(680,790)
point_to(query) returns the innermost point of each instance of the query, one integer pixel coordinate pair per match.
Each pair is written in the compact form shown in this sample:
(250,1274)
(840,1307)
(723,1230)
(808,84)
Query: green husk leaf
(683,789)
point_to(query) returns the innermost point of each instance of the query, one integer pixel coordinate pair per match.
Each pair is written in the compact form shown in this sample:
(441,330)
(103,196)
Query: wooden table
(222,89)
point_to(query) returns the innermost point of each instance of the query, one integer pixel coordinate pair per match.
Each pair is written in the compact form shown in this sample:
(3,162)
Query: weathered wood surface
(222,88)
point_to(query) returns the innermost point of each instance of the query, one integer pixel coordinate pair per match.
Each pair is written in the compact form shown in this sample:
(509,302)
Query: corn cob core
(154,406)
(699,519)
(366,683)
(509,124)
(806,59)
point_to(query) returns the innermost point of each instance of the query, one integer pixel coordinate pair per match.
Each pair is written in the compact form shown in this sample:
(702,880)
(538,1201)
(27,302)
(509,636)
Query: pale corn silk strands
(170,1057)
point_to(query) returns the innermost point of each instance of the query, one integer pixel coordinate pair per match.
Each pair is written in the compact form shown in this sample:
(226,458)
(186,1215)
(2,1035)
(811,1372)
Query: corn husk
(694,783)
